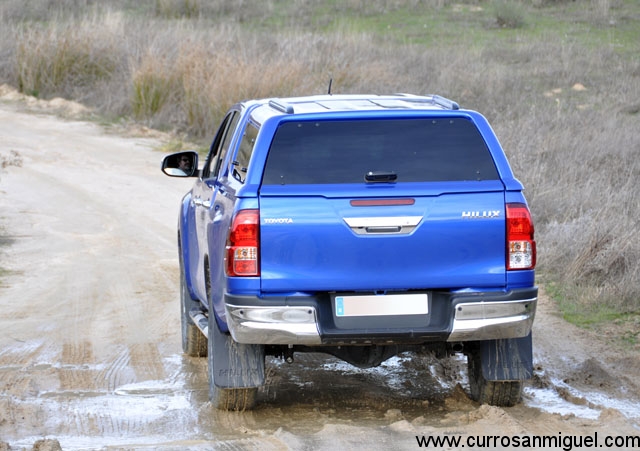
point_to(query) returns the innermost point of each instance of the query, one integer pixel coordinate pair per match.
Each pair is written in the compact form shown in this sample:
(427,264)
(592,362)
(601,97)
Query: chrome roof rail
(281,106)
(445,103)
(435,100)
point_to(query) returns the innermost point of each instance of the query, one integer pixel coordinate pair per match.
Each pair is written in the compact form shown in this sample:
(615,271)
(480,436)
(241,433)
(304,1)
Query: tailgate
(322,240)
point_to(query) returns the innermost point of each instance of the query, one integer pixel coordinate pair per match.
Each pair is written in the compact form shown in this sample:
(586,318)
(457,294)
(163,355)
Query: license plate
(382,305)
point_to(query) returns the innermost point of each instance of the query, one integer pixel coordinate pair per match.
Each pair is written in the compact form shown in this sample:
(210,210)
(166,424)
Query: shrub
(508,13)
(154,85)
(61,59)
(170,9)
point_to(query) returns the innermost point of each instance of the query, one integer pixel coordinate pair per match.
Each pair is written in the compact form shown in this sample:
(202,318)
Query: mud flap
(507,359)
(235,365)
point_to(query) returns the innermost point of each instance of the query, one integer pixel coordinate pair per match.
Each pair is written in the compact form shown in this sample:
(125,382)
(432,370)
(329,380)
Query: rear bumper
(296,325)
(492,320)
(309,320)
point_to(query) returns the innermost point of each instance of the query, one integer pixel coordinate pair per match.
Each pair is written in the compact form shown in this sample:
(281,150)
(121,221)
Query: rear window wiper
(380,176)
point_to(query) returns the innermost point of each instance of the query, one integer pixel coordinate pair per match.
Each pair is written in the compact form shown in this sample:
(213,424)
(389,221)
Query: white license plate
(383,305)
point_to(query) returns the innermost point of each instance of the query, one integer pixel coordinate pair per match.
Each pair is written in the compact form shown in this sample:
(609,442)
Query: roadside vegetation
(558,79)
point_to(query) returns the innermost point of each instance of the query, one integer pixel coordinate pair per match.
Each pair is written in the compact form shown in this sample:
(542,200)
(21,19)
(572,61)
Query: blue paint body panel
(315,250)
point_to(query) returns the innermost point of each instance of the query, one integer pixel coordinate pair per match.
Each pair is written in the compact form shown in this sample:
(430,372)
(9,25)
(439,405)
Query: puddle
(69,394)
(587,405)
(146,389)
(548,400)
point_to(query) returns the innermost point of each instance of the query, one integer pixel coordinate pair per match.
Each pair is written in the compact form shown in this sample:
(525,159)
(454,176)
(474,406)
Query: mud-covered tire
(494,393)
(194,343)
(232,399)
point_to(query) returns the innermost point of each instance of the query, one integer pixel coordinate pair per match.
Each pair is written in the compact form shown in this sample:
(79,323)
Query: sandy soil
(90,348)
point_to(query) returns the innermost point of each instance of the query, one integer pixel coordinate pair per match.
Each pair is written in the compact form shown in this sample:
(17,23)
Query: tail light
(243,244)
(521,246)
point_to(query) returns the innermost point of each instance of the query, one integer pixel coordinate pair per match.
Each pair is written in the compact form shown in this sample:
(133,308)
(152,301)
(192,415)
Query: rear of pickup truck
(399,256)
(387,231)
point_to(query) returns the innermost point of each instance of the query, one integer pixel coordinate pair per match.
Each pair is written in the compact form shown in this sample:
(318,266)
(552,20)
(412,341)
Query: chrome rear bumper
(493,320)
(273,325)
(298,325)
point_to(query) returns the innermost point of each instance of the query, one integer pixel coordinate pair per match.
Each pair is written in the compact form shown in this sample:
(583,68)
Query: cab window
(240,164)
(220,145)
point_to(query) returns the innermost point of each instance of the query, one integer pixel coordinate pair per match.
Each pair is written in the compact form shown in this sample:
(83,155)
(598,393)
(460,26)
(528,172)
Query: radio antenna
(330,82)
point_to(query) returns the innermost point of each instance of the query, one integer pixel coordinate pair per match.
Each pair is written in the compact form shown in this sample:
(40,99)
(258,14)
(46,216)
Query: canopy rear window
(416,150)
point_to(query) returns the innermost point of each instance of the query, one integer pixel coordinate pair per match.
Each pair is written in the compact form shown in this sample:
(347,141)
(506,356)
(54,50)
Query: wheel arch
(183,246)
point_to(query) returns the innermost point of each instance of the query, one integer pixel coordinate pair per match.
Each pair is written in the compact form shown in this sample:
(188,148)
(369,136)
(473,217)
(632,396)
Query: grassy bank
(559,80)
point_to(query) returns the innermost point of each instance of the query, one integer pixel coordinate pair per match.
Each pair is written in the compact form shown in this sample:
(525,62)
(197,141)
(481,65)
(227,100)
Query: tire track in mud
(19,362)
(78,367)
(99,288)
(147,362)
(115,373)
(270,444)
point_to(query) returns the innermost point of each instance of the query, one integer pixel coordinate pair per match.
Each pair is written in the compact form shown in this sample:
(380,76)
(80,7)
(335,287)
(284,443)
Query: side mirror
(181,164)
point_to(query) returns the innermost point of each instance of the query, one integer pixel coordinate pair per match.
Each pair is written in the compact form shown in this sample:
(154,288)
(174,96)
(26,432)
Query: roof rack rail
(445,103)
(435,100)
(281,106)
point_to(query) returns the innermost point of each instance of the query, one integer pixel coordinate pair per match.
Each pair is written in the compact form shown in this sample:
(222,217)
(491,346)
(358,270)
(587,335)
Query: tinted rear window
(417,150)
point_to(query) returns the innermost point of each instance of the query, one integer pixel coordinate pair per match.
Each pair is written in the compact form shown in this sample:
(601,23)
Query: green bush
(154,85)
(172,9)
(508,13)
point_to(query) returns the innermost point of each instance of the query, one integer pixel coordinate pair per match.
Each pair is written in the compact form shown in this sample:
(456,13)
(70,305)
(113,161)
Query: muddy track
(90,346)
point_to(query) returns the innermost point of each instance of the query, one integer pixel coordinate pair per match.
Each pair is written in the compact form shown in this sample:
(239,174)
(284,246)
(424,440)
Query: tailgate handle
(382,225)
(391,229)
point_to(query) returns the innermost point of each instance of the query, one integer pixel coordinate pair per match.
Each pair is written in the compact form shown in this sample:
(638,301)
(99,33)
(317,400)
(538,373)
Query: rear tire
(236,399)
(233,399)
(194,343)
(494,393)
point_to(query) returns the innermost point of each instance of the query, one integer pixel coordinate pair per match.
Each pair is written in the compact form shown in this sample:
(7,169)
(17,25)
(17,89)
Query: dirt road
(90,346)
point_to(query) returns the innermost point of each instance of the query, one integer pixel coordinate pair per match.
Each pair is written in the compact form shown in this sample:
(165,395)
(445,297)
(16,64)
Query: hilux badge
(481,214)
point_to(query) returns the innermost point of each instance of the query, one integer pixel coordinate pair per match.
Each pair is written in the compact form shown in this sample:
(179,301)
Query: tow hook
(288,354)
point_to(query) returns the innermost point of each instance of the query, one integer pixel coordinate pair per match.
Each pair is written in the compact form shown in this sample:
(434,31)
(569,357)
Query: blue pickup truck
(360,226)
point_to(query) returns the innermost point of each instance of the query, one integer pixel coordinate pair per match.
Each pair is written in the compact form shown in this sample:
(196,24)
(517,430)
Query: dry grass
(191,82)
(59,61)
(567,111)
